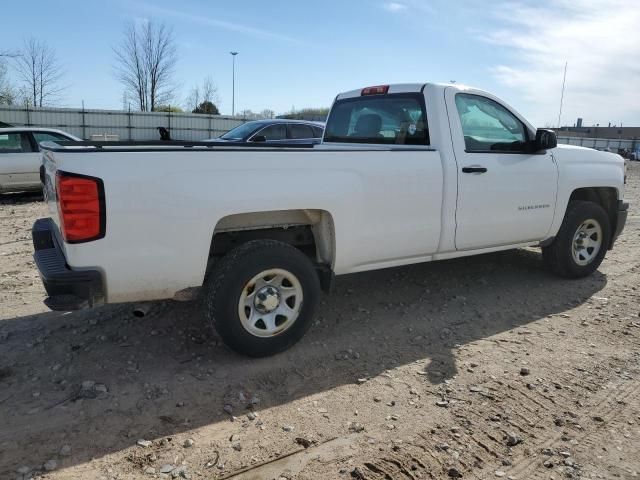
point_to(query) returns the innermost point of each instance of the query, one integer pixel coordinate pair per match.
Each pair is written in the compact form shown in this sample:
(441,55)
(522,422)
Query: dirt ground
(482,367)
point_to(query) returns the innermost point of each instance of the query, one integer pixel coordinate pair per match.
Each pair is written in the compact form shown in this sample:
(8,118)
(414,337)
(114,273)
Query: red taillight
(379,90)
(81,207)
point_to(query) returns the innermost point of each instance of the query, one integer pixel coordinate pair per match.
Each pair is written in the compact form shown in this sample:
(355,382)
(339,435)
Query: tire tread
(222,272)
(557,256)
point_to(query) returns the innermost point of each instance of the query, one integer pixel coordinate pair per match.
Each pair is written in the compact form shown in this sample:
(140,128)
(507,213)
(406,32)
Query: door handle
(474,170)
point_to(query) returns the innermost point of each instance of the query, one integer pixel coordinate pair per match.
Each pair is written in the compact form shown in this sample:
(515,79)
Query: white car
(20,156)
(405,174)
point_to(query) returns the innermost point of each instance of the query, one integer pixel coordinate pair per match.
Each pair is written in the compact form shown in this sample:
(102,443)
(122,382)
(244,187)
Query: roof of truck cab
(406,88)
(394,88)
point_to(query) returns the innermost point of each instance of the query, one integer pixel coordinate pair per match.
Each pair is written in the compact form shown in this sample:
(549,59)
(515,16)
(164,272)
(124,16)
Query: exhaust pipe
(141,310)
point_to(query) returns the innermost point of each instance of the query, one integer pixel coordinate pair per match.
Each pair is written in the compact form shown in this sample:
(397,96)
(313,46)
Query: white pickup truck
(405,173)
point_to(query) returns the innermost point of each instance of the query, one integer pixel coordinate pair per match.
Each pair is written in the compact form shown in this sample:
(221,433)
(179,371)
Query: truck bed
(163,203)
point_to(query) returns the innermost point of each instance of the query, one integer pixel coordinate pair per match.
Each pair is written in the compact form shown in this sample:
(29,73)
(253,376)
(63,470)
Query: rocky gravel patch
(483,367)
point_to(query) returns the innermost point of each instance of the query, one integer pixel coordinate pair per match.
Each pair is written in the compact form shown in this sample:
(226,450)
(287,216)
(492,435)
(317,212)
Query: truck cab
(500,181)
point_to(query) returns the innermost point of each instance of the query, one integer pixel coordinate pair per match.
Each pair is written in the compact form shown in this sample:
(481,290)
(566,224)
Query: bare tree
(40,72)
(248,114)
(126,104)
(267,113)
(145,63)
(193,99)
(207,92)
(8,93)
(131,68)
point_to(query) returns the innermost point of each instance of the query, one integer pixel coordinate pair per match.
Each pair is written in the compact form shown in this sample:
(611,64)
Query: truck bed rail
(180,145)
(155,145)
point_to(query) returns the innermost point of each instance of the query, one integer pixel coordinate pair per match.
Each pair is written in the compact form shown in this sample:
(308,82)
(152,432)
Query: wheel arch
(310,230)
(606,197)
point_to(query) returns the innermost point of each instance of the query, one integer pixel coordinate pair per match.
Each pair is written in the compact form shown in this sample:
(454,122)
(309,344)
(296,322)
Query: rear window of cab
(388,119)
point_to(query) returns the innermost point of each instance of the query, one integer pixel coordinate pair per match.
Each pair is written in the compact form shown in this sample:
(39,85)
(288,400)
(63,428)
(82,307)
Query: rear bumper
(623,209)
(66,289)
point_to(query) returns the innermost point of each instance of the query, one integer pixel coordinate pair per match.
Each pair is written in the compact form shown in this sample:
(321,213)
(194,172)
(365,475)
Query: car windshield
(241,132)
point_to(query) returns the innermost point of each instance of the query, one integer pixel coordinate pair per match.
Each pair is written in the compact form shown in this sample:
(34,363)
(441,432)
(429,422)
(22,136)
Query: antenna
(564,79)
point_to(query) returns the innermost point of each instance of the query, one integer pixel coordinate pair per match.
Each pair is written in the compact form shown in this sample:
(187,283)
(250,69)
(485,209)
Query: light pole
(233,94)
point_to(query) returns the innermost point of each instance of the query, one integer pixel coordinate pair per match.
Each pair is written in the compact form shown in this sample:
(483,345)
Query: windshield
(241,132)
(397,119)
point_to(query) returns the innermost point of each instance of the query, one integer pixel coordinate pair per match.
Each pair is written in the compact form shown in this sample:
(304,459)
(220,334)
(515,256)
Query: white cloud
(394,7)
(600,40)
(214,22)
(422,6)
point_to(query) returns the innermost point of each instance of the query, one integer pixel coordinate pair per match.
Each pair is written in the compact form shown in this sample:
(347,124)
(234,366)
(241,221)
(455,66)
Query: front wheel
(261,297)
(582,241)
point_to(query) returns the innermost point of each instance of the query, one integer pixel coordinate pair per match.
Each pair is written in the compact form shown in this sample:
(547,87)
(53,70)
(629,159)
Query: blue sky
(295,53)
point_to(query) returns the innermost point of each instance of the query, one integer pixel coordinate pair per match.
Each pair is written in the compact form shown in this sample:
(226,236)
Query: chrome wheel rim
(270,303)
(587,242)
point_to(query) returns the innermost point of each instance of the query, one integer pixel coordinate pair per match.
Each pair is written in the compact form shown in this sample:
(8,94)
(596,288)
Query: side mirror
(259,138)
(545,139)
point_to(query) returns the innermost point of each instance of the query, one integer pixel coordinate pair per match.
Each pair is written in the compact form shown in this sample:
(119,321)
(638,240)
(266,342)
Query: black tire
(559,255)
(224,288)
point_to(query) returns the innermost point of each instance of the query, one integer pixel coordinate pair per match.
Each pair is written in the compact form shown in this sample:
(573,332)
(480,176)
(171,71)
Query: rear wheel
(261,297)
(582,241)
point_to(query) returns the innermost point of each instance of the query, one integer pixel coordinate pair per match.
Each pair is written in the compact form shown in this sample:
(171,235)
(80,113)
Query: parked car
(405,174)
(20,156)
(277,131)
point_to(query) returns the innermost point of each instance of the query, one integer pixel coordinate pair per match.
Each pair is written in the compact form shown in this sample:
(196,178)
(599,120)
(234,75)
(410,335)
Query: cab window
(15,143)
(487,126)
(396,119)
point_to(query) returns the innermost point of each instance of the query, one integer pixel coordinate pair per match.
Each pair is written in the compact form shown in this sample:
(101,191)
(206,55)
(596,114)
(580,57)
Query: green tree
(207,92)
(207,107)
(168,108)
(319,114)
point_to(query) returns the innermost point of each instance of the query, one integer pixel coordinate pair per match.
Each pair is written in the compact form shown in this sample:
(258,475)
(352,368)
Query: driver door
(506,195)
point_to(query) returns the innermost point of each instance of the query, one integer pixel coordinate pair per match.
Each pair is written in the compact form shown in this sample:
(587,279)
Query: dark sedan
(274,131)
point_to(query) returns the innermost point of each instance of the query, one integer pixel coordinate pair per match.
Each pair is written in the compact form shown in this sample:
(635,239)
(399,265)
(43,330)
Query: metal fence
(126,125)
(600,143)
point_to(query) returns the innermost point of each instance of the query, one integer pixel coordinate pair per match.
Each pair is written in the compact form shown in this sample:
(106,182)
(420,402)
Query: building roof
(623,133)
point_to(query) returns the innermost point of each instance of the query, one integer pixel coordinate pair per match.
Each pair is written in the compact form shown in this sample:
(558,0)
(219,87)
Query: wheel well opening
(310,231)
(606,197)
(300,236)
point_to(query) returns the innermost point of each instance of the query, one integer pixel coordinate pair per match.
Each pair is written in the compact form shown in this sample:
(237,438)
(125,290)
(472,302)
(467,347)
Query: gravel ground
(482,367)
